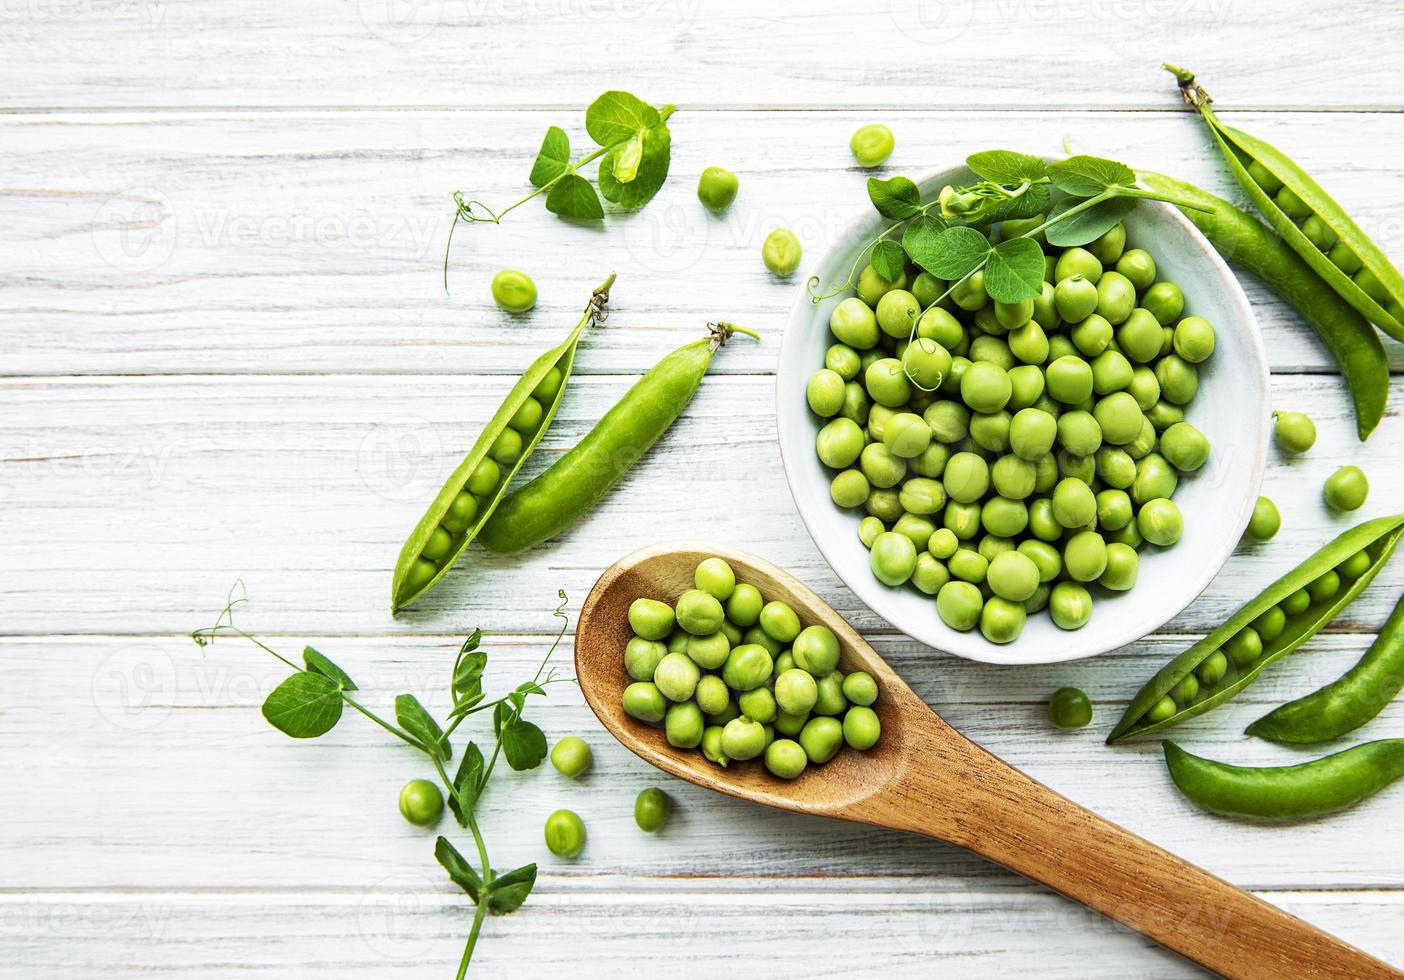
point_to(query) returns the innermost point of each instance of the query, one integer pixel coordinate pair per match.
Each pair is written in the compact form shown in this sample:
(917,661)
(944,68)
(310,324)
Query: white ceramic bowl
(1231,408)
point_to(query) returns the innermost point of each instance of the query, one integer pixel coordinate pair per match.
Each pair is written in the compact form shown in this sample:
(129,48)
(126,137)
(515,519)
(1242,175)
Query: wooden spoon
(926,778)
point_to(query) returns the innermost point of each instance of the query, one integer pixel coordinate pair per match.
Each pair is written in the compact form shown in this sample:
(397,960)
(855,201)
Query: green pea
(1292,205)
(1012,315)
(893,558)
(1029,344)
(571,756)
(1069,379)
(421,803)
(1270,624)
(927,363)
(968,565)
(796,691)
(676,676)
(1346,489)
(462,512)
(644,701)
(747,667)
(962,518)
(831,700)
(1077,262)
(513,291)
(1354,566)
(985,387)
(1119,417)
(856,404)
(742,738)
(1092,335)
(651,619)
(1013,575)
(1069,708)
(1194,339)
(860,688)
(758,704)
(839,443)
(549,386)
(872,144)
(1165,301)
(1114,510)
(565,834)
(1074,504)
(1162,415)
(779,621)
(861,728)
(1002,620)
(1162,709)
(868,530)
(743,607)
(1123,564)
(1343,257)
(712,695)
(1179,381)
(712,745)
(1154,478)
(967,478)
(1296,603)
(843,361)
(1160,522)
(849,489)
(786,758)
(683,725)
(1265,521)
(507,447)
(716,188)
(821,738)
(1140,447)
(959,604)
(1115,467)
(700,613)
(1187,690)
(1085,556)
(1032,433)
(679,640)
(1213,670)
(1070,606)
(527,418)
(970,294)
(1043,525)
(1128,535)
(887,383)
(897,312)
(641,657)
(781,252)
(710,651)
(872,285)
(652,807)
(1111,372)
(1295,432)
(1076,298)
(942,543)
(1082,468)
(825,392)
(1137,265)
(1109,245)
(1244,647)
(855,324)
(1324,586)
(1140,336)
(1184,447)
(1116,297)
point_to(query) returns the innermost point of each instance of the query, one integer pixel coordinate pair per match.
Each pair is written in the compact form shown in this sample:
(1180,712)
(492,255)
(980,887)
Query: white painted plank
(235,243)
(143,762)
(131,505)
(828,53)
(409,927)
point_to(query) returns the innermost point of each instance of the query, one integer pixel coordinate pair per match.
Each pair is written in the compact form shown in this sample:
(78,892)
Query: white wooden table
(227,354)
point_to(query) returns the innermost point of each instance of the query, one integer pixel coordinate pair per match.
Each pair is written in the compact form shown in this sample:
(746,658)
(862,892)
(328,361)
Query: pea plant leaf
(523,744)
(1007,166)
(460,872)
(1089,225)
(616,116)
(1031,203)
(319,664)
(1014,271)
(896,198)
(415,719)
(959,252)
(467,784)
(889,259)
(1084,176)
(921,240)
(574,197)
(650,171)
(508,891)
(553,159)
(305,705)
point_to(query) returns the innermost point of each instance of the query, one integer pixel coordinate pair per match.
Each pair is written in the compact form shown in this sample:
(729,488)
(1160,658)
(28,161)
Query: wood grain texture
(453,53)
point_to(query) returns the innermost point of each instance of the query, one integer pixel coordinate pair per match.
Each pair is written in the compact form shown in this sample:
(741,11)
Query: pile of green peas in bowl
(739,677)
(1014,458)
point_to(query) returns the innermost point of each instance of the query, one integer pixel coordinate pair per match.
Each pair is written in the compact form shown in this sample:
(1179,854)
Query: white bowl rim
(866,587)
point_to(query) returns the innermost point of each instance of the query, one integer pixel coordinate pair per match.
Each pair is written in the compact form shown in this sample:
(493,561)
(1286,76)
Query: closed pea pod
(1309,789)
(1247,243)
(575,483)
(1154,707)
(1302,198)
(1348,702)
(476,487)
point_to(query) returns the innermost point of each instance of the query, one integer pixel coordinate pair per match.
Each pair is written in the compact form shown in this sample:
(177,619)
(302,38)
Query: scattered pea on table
(513,291)
(421,803)
(1069,708)
(1346,489)
(782,252)
(716,188)
(571,755)
(872,144)
(565,834)
(652,808)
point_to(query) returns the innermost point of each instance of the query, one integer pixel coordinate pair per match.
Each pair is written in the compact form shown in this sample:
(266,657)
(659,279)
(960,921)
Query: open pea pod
(1205,675)
(1372,285)
(474,489)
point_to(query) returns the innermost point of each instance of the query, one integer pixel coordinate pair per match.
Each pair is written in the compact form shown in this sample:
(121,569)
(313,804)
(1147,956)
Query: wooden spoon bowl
(926,778)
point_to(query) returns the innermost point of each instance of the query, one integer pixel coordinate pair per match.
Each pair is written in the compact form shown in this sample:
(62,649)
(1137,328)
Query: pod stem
(1194,94)
(598,299)
(721,332)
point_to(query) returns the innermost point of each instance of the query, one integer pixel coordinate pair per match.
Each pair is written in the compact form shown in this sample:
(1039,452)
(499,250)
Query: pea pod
(1205,675)
(1247,243)
(1309,789)
(1347,703)
(1375,271)
(474,489)
(576,482)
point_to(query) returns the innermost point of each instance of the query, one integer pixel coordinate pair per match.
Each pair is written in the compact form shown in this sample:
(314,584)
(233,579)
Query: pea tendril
(310,703)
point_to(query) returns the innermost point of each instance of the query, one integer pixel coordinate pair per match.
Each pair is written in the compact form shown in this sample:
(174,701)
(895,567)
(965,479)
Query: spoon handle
(997,811)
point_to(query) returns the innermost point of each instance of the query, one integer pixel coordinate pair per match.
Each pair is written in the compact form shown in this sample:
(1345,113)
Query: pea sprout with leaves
(636,147)
(940,236)
(309,704)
